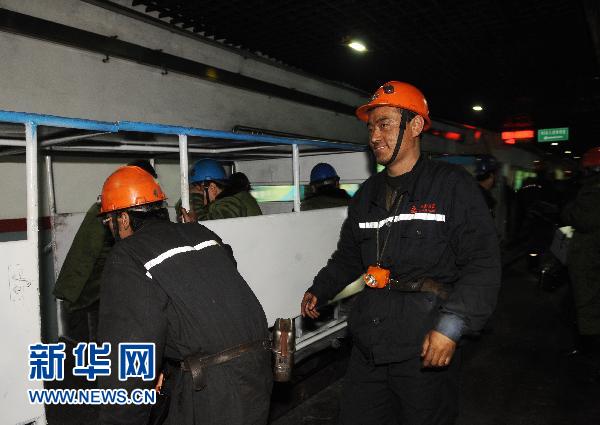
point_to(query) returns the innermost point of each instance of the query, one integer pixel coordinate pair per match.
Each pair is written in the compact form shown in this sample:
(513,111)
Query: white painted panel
(20,316)
(279,255)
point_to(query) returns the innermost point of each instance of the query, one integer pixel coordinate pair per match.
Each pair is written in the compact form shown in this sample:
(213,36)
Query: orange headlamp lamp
(377,277)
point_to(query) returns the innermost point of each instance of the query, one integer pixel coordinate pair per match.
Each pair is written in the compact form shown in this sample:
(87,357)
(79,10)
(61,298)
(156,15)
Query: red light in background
(450,135)
(520,134)
(510,141)
(477,134)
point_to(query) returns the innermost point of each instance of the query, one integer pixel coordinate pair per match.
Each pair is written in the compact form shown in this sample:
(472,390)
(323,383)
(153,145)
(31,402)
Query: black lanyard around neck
(389,222)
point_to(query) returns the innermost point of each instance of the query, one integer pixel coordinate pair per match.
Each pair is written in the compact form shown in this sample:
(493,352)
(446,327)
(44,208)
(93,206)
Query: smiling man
(421,235)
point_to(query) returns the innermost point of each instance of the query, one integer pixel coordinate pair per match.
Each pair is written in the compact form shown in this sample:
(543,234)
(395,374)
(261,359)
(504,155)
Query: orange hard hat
(399,95)
(128,187)
(591,158)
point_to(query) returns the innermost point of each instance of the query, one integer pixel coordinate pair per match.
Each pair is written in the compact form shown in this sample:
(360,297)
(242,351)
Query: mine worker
(78,283)
(485,174)
(177,286)
(583,259)
(212,196)
(325,189)
(422,236)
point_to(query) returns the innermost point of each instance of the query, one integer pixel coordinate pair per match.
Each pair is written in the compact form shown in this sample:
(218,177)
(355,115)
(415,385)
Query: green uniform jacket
(242,204)
(78,283)
(583,258)
(329,199)
(196,205)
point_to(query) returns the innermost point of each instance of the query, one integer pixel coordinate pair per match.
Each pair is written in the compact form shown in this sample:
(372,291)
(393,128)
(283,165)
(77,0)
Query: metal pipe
(45,143)
(52,210)
(183,171)
(12,152)
(200,150)
(55,121)
(317,336)
(147,149)
(32,185)
(10,142)
(218,134)
(59,140)
(296,171)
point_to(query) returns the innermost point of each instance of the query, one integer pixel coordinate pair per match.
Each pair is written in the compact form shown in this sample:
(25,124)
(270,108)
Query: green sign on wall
(553,134)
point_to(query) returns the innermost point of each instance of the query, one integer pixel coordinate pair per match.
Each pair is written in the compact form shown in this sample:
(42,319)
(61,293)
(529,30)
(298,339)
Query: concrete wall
(43,77)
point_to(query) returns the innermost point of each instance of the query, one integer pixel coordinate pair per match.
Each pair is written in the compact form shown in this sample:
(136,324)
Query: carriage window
(285,193)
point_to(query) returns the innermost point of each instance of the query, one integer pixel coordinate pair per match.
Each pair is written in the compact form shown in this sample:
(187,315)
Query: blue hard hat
(322,171)
(207,169)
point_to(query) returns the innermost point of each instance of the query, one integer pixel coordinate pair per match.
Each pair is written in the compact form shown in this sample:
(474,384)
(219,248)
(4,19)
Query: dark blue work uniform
(441,229)
(177,286)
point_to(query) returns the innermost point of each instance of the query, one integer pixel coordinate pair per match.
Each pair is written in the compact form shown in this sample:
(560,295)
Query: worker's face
(123,223)
(384,127)
(213,191)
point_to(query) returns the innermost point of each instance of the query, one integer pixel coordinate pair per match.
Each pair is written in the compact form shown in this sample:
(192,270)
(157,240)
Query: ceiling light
(567,152)
(576,157)
(554,144)
(478,108)
(358,46)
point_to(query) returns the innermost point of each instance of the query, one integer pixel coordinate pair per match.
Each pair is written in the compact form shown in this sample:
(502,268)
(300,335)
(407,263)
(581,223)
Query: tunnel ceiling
(529,63)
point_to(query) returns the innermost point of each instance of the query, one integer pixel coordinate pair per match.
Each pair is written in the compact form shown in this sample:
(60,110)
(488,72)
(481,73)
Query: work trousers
(399,393)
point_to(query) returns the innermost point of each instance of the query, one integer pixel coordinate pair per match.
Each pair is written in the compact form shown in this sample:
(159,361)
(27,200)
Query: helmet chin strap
(404,120)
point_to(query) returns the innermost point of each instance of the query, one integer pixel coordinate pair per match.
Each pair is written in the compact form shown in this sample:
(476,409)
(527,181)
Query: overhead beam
(41,29)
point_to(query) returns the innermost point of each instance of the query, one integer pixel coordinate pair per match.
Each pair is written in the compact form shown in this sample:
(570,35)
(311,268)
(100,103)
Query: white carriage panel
(20,312)
(279,255)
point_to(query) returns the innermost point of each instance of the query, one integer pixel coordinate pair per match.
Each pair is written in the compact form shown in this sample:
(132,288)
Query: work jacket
(442,230)
(196,205)
(78,283)
(177,286)
(241,204)
(583,257)
(327,197)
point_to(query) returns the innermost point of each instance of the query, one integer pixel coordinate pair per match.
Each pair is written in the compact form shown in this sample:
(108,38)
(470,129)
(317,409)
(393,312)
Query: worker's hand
(159,382)
(307,307)
(188,216)
(437,350)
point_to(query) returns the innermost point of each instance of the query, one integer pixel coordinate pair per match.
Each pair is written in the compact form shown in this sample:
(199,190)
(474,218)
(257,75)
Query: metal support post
(183,171)
(296,170)
(60,315)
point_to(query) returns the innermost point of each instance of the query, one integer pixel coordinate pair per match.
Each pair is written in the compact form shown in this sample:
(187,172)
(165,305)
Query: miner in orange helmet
(78,283)
(175,288)
(421,236)
(583,261)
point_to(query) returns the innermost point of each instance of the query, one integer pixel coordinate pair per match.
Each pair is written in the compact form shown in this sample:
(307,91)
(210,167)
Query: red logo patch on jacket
(424,208)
